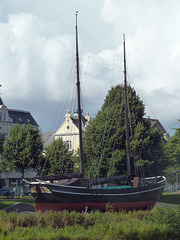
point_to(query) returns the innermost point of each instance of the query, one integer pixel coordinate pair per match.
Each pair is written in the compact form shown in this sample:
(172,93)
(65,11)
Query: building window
(69,144)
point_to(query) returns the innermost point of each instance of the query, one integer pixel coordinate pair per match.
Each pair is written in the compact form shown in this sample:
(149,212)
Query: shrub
(159,223)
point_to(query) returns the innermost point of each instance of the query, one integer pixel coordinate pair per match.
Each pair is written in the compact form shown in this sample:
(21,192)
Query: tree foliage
(172,153)
(172,149)
(2,139)
(58,158)
(23,148)
(105,139)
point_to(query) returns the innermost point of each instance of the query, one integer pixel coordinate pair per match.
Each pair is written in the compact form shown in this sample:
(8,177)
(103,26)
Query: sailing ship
(74,192)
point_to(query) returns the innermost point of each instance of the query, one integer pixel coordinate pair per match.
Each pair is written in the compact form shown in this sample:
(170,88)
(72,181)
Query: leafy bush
(159,223)
(166,215)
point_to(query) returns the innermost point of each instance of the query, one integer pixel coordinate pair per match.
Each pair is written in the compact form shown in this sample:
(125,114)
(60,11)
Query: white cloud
(152,50)
(31,61)
(37,52)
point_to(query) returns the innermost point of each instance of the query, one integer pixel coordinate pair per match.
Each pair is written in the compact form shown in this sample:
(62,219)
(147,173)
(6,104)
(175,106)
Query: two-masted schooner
(74,192)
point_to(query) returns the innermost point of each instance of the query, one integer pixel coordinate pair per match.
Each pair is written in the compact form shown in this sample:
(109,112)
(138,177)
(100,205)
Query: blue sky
(37,55)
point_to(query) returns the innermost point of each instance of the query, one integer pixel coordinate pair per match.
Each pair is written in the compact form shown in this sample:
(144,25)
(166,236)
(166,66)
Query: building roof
(1,101)
(22,117)
(19,116)
(156,124)
(75,121)
(47,138)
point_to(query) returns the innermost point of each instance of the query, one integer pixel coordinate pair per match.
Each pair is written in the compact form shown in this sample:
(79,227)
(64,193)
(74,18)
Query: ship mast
(126,111)
(79,101)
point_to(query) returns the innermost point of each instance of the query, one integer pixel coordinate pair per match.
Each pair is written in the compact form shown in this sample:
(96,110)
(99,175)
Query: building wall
(69,132)
(13,179)
(6,123)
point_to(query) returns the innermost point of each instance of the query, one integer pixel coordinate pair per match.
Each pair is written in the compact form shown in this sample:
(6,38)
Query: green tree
(105,140)
(148,145)
(22,149)
(172,154)
(58,158)
(2,139)
(172,149)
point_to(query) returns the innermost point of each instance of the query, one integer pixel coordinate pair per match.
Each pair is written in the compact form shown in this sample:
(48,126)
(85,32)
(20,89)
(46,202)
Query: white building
(8,119)
(69,130)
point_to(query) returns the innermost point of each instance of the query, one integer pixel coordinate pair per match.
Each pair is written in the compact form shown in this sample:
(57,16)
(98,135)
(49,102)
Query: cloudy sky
(37,55)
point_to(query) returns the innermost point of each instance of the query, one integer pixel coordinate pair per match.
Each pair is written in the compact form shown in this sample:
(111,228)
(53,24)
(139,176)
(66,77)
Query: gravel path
(20,207)
(160,204)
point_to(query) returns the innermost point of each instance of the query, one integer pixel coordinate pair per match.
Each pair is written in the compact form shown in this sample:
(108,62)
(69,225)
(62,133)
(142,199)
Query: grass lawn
(171,198)
(8,202)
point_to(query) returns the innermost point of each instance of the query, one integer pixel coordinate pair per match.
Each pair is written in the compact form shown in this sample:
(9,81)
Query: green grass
(159,223)
(170,198)
(7,203)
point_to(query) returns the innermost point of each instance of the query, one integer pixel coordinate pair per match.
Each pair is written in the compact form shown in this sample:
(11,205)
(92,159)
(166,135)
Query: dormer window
(28,120)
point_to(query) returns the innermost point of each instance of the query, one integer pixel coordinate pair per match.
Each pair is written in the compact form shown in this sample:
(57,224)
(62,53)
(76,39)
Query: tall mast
(126,110)
(79,101)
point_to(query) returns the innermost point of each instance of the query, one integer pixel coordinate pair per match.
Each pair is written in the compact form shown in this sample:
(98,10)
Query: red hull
(101,206)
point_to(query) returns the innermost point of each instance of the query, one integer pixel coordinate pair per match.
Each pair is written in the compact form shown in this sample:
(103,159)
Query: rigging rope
(157,93)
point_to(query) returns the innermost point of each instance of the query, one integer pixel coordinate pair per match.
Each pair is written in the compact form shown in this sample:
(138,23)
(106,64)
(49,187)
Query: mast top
(76,17)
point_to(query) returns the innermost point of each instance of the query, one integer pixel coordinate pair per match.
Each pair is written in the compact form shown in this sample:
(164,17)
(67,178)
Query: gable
(67,127)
